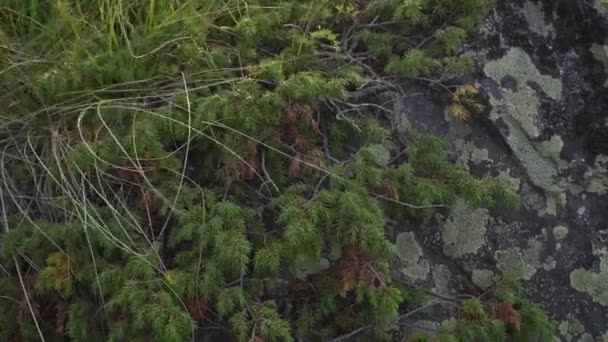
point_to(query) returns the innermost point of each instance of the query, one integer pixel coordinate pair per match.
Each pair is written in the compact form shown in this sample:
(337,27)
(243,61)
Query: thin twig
(409,205)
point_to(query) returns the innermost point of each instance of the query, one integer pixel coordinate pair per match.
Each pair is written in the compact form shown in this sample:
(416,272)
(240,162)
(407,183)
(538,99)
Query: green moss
(464,231)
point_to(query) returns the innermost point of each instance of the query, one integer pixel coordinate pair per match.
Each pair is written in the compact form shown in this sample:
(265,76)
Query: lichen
(593,283)
(464,231)
(407,247)
(518,110)
(551,149)
(482,278)
(469,153)
(541,171)
(513,182)
(536,19)
(518,64)
(560,232)
(410,254)
(512,261)
(418,270)
(600,53)
(570,328)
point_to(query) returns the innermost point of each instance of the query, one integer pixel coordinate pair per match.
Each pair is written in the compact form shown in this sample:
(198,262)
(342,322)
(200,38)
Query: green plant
(174,166)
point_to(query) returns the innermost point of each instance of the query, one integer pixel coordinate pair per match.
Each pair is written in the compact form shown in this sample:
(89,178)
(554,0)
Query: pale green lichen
(442,278)
(532,253)
(518,64)
(586,337)
(407,247)
(469,153)
(512,261)
(560,232)
(512,182)
(464,231)
(593,283)
(536,19)
(541,171)
(482,278)
(518,110)
(551,149)
(598,185)
(410,254)
(600,53)
(570,328)
(417,271)
(596,177)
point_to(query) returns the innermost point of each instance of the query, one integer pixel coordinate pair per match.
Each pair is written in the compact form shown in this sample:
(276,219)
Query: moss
(512,261)
(482,278)
(592,283)
(464,231)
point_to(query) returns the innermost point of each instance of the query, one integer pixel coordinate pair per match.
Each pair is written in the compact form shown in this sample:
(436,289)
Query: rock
(518,107)
(544,74)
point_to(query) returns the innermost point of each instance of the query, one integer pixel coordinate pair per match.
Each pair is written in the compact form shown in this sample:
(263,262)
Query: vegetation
(178,168)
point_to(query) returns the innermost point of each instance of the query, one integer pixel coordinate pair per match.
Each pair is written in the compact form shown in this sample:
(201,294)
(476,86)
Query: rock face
(544,73)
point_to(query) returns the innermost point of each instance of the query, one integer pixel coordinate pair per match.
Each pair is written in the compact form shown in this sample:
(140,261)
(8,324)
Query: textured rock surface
(545,75)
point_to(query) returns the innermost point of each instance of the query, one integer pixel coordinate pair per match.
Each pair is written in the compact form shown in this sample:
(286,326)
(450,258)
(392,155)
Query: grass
(75,73)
